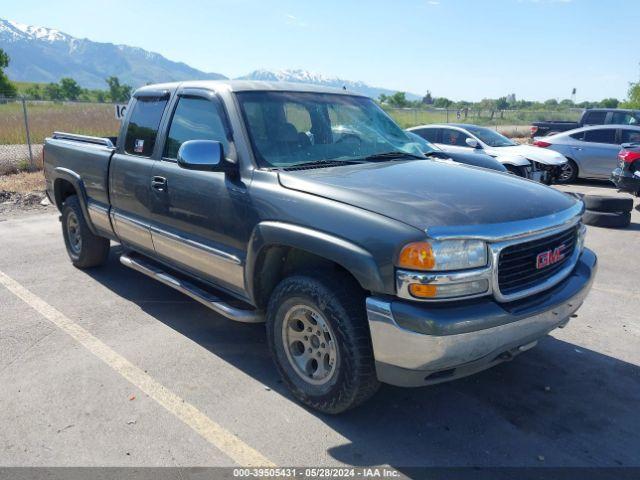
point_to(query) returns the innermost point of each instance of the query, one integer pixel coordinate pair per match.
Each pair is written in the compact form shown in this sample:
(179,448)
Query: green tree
(34,92)
(442,102)
(118,92)
(398,99)
(7,89)
(610,103)
(567,102)
(552,102)
(633,100)
(52,92)
(70,89)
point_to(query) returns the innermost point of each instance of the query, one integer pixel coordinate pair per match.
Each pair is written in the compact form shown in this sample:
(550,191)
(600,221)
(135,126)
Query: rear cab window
(595,118)
(142,130)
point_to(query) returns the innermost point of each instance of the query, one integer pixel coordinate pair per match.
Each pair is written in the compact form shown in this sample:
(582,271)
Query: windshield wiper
(390,156)
(321,163)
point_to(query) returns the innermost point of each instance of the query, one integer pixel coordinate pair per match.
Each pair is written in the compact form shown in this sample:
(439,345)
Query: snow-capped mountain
(40,54)
(304,76)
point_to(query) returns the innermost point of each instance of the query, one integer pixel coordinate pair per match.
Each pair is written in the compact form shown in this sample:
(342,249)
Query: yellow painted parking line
(216,435)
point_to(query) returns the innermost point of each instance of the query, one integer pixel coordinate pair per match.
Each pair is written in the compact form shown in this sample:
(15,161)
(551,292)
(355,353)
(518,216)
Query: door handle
(159,183)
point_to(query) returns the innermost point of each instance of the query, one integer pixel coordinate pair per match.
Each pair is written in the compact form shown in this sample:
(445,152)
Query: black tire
(568,173)
(341,303)
(85,249)
(607,220)
(599,203)
(517,170)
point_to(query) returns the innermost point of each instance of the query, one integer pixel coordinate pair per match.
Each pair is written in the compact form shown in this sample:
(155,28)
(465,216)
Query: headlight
(444,255)
(582,233)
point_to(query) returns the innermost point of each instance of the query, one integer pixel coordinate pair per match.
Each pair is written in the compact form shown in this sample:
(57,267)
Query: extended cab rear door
(130,175)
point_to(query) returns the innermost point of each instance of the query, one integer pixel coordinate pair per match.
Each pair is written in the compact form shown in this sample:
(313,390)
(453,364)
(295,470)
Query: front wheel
(319,339)
(568,172)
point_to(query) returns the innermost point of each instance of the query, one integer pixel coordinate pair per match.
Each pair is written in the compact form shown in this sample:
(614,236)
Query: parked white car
(523,160)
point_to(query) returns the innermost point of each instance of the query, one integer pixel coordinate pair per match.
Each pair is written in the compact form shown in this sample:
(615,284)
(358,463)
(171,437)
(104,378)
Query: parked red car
(626,175)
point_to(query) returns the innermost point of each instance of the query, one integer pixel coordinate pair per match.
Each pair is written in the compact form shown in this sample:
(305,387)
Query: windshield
(490,137)
(295,128)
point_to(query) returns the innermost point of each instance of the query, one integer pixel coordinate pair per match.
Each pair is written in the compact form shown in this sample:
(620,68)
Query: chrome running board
(208,299)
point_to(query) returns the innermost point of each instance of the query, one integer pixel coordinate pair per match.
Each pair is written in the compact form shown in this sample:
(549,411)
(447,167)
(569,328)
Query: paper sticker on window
(139,146)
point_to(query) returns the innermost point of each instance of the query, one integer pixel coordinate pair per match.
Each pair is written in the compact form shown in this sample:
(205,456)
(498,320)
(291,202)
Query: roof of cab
(243,86)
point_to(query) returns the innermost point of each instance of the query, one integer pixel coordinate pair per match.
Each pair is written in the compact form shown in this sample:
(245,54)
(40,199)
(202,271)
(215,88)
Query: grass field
(45,117)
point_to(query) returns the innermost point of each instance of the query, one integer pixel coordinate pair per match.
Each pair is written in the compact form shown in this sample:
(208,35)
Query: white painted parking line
(216,435)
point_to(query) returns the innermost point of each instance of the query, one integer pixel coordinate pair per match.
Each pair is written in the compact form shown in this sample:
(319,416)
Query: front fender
(355,259)
(516,160)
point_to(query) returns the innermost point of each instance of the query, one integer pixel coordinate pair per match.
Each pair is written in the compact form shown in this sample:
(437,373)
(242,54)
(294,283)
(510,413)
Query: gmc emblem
(550,257)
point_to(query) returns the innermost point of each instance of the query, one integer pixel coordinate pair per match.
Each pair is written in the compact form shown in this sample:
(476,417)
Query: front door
(598,152)
(198,220)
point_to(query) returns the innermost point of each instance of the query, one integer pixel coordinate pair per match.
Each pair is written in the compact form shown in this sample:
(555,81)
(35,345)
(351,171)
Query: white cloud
(294,21)
(433,2)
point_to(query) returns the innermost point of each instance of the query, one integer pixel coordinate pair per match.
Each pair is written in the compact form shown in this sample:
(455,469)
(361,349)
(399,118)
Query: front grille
(517,264)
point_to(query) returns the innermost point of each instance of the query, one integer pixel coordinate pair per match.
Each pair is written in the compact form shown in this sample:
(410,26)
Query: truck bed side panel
(89,163)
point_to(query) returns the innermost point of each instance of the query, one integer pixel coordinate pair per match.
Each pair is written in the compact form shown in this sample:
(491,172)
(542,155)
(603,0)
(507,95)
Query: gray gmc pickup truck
(310,209)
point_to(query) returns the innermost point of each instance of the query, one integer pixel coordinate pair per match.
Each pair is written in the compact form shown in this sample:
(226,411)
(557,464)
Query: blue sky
(461,49)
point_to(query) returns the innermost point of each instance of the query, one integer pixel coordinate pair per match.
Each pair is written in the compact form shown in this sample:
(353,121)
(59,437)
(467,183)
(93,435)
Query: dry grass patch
(23,182)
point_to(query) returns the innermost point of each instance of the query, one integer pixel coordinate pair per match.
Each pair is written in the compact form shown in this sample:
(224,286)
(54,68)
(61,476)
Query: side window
(429,134)
(195,119)
(577,136)
(630,136)
(298,116)
(143,126)
(601,135)
(454,137)
(621,118)
(595,118)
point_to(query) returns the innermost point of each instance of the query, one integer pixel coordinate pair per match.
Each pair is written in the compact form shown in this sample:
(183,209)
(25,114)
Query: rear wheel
(319,339)
(568,172)
(85,249)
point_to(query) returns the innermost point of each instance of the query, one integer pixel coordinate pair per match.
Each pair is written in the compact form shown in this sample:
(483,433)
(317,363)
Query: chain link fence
(25,123)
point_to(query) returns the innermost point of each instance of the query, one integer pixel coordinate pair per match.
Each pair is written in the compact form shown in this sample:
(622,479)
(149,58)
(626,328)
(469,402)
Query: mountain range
(41,54)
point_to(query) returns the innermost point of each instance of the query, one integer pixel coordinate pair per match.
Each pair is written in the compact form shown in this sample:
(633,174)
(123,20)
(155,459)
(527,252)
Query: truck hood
(537,154)
(425,193)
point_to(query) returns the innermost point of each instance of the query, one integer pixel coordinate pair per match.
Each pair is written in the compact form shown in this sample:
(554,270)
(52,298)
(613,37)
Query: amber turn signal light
(423,291)
(417,256)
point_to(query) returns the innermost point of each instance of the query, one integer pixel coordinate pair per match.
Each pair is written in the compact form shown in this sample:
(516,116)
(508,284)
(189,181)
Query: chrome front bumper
(419,344)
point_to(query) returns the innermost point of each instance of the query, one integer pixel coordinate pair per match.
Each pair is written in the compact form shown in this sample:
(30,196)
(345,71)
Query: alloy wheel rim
(566,172)
(309,344)
(73,233)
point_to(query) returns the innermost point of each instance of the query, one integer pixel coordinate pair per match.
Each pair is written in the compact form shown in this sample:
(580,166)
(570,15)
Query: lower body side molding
(208,299)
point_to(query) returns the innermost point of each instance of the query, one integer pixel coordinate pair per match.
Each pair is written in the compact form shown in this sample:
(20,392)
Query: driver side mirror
(473,143)
(204,155)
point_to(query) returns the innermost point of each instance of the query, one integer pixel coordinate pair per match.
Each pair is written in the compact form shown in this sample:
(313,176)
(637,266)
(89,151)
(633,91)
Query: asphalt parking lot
(109,368)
